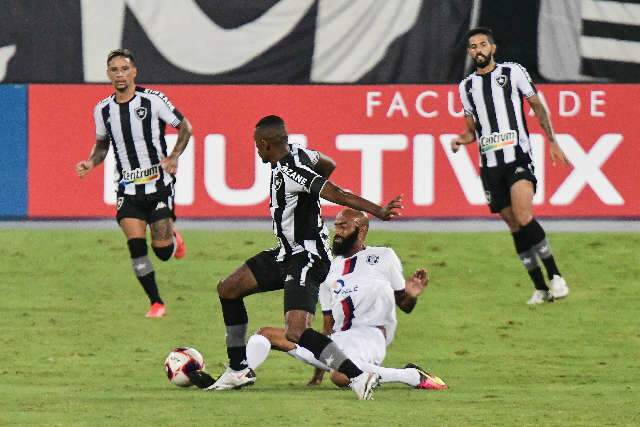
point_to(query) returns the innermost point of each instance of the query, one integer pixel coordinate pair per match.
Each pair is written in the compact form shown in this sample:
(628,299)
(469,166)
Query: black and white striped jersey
(136,131)
(295,204)
(494,100)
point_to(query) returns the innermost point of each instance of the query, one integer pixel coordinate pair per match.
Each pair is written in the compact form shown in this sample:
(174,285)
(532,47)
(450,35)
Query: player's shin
(307,357)
(408,376)
(542,247)
(326,351)
(527,255)
(143,269)
(258,348)
(235,320)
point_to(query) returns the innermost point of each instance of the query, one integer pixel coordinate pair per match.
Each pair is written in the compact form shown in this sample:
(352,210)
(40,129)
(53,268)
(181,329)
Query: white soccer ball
(181,361)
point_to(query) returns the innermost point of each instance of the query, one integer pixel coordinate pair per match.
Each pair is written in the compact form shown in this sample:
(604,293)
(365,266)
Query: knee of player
(226,290)
(292,333)
(164,253)
(339,379)
(523,219)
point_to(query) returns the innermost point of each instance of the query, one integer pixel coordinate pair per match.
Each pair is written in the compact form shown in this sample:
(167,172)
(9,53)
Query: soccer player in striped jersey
(132,120)
(358,299)
(494,114)
(299,177)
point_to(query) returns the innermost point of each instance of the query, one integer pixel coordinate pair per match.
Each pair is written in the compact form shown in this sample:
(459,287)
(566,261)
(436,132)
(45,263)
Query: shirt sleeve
(313,155)
(324,295)
(523,81)
(394,271)
(301,178)
(101,129)
(464,98)
(166,111)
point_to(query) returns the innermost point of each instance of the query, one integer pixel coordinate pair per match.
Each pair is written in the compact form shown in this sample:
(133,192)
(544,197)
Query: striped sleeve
(299,175)
(522,80)
(101,128)
(166,111)
(464,98)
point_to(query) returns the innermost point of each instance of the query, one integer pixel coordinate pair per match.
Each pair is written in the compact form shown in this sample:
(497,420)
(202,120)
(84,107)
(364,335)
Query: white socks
(307,357)
(408,376)
(258,348)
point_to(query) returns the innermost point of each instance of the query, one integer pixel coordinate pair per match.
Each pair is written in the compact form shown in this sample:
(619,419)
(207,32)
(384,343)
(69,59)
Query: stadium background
(375,88)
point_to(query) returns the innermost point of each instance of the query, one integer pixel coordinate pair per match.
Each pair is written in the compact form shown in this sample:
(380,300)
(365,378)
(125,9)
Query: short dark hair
(269,121)
(480,30)
(126,53)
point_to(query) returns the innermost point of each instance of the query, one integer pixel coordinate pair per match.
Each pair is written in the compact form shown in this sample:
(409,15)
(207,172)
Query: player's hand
(84,167)
(417,283)
(316,379)
(391,210)
(456,143)
(557,154)
(170,164)
(460,140)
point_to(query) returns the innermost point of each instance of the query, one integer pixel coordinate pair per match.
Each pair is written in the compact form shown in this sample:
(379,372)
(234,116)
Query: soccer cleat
(540,297)
(428,381)
(559,288)
(200,379)
(181,248)
(364,384)
(157,310)
(232,380)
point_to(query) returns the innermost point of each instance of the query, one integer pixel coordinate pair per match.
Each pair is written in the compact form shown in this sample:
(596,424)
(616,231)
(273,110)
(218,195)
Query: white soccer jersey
(136,130)
(359,291)
(494,100)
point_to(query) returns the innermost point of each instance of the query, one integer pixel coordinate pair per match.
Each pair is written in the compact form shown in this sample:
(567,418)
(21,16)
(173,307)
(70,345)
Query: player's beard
(345,245)
(483,63)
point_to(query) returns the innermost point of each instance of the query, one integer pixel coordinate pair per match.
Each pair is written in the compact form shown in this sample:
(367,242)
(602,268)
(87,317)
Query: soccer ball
(181,361)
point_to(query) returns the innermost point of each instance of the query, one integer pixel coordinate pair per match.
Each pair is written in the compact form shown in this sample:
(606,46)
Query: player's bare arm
(170,163)
(335,194)
(97,156)
(545,122)
(467,137)
(325,166)
(414,286)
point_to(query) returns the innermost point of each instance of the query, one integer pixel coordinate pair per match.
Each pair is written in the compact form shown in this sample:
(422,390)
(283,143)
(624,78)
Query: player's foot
(231,379)
(559,288)
(428,381)
(364,384)
(157,310)
(200,379)
(181,248)
(540,297)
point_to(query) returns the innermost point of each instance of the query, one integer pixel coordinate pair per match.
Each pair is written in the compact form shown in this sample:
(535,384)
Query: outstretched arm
(335,194)
(545,122)
(415,285)
(97,156)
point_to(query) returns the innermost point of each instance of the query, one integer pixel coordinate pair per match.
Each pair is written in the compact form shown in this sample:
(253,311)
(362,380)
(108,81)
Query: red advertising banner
(386,140)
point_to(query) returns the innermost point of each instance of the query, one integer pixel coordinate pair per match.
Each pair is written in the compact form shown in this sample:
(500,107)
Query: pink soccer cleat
(157,310)
(428,381)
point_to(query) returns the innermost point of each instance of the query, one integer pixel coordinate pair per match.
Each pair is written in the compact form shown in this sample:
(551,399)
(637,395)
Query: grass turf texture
(77,350)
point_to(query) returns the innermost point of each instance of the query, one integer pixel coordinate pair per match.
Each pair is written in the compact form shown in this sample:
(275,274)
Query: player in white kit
(358,300)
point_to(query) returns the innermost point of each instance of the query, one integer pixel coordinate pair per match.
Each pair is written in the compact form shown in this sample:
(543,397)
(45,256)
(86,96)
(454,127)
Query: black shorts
(497,182)
(300,276)
(147,207)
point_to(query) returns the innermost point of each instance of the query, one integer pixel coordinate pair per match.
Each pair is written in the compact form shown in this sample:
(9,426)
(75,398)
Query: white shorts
(362,345)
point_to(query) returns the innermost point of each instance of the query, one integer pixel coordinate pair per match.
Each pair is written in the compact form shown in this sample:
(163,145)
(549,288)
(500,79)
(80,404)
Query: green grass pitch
(75,348)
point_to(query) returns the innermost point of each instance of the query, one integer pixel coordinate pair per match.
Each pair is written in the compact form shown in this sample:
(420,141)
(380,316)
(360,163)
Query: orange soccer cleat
(181,248)
(157,310)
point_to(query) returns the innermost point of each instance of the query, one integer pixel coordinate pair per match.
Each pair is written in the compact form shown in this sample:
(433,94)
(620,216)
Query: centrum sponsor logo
(140,176)
(498,141)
